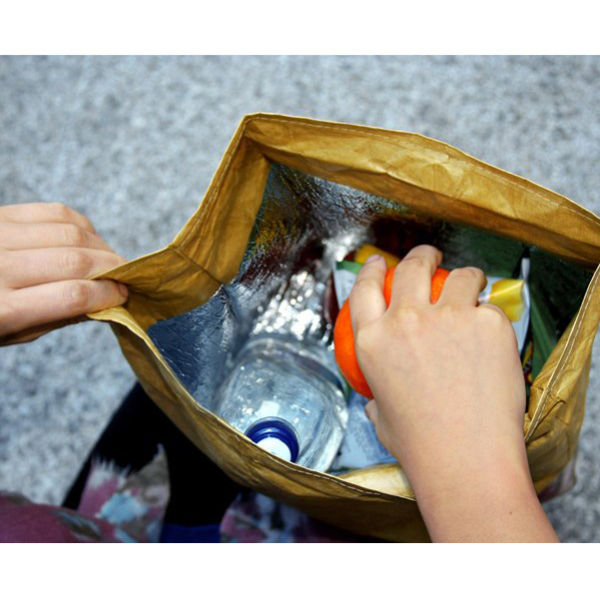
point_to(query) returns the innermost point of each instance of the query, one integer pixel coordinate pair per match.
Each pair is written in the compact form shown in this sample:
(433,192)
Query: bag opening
(304,225)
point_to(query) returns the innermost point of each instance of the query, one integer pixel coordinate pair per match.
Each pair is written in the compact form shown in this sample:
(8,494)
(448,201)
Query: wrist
(487,496)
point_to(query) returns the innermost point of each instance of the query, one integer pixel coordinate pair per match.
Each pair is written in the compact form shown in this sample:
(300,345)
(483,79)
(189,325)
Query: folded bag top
(407,170)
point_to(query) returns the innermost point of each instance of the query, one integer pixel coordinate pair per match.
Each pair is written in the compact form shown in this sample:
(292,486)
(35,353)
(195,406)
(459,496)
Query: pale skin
(449,400)
(48,252)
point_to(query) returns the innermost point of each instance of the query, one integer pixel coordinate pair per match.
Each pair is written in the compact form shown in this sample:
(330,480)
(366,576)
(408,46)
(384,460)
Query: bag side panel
(322,496)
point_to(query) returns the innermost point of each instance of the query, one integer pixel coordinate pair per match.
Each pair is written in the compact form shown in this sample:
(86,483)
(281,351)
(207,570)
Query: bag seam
(209,201)
(206,204)
(536,418)
(185,256)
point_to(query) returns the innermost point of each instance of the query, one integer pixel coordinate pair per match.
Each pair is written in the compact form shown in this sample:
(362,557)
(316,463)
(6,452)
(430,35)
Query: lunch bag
(282,183)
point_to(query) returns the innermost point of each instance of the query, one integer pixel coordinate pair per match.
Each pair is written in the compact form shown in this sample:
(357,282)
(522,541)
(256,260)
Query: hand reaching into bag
(48,252)
(449,399)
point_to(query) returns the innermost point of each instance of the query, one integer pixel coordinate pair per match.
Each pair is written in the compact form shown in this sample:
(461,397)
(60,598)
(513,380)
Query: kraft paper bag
(282,183)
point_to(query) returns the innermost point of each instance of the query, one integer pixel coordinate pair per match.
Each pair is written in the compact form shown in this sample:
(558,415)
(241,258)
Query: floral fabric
(256,518)
(116,507)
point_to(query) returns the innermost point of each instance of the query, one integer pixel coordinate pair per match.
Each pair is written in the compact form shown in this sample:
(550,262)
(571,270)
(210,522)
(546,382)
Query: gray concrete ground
(132,142)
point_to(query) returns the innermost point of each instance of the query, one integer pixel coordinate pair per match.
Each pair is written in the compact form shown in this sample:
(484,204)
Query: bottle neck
(276,436)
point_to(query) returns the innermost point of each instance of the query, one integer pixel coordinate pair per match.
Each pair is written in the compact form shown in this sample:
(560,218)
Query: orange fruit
(343,336)
(345,355)
(437,283)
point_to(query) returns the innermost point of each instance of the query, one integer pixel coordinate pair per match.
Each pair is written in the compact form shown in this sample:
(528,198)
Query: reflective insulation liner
(306,224)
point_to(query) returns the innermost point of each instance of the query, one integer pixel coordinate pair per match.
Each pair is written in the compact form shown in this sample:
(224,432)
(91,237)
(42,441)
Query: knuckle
(363,284)
(466,274)
(74,235)
(5,264)
(426,252)
(60,210)
(364,342)
(362,290)
(451,313)
(501,327)
(472,272)
(88,223)
(415,262)
(7,314)
(427,248)
(76,263)
(77,296)
(495,313)
(495,317)
(407,320)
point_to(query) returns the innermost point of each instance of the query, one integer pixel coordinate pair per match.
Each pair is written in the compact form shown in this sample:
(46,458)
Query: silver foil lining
(306,224)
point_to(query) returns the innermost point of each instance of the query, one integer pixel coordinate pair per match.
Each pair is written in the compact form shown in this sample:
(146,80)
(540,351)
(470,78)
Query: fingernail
(373,258)
(123,290)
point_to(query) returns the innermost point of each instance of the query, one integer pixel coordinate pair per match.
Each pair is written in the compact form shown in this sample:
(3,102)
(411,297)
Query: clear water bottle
(287,397)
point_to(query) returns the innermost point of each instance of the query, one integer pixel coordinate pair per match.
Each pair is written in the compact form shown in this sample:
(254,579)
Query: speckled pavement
(133,142)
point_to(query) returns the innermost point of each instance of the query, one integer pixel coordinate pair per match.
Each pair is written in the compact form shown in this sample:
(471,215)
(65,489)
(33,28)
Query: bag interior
(305,224)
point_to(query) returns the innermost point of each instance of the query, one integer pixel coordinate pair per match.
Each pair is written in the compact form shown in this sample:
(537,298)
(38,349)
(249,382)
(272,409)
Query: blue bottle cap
(276,436)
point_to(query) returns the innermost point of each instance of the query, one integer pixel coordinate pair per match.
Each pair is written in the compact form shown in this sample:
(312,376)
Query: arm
(449,399)
(47,254)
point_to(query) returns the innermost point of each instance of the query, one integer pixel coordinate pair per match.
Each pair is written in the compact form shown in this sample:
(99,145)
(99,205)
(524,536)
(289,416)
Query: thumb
(366,299)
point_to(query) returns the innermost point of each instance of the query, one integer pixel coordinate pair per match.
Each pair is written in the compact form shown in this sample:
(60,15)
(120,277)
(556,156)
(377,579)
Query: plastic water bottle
(287,397)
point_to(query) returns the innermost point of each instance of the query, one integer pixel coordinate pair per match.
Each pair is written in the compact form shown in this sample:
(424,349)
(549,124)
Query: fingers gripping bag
(291,198)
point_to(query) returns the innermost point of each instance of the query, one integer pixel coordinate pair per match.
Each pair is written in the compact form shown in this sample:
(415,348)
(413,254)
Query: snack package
(512,296)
